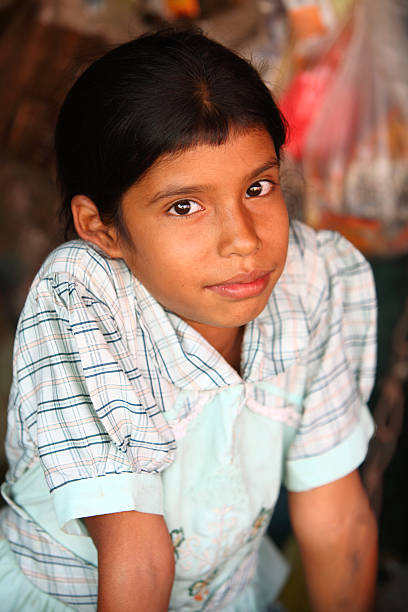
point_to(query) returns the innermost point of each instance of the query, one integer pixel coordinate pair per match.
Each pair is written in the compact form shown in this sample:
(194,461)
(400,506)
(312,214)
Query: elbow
(368,532)
(159,569)
(358,537)
(163,566)
(365,528)
(364,561)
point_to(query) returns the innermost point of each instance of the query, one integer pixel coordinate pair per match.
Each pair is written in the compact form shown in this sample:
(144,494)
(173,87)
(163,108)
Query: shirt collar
(271,344)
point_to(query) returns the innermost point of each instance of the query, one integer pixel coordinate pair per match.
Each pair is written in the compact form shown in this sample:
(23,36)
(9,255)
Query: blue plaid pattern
(99,366)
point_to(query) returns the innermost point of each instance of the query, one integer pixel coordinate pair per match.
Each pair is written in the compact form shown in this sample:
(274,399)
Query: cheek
(183,250)
(162,262)
(274,228)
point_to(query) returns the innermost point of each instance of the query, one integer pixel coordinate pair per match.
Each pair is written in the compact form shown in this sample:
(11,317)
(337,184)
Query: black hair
(160,93)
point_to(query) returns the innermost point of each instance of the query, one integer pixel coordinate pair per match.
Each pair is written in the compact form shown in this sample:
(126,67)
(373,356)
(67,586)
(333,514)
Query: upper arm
(135,560)
(141,529)
(337,537)
(332,515)
(335,425)
(101,437)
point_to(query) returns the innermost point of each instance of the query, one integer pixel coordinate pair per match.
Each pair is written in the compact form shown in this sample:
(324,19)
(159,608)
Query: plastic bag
(304,97)
(355,151)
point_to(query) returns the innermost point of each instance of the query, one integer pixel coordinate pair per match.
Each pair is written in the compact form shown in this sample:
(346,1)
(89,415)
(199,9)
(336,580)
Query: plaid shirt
(107,382)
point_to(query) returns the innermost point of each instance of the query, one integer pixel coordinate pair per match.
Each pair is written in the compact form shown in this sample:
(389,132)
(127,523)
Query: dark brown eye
(259,188)
(184,208)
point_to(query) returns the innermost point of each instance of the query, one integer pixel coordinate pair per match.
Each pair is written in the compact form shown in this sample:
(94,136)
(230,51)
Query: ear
(89,226)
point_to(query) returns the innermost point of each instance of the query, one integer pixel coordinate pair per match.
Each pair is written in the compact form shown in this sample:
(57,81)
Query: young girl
(189,353)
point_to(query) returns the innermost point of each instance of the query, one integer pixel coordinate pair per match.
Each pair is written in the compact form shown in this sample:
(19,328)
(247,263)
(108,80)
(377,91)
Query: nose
(238,235)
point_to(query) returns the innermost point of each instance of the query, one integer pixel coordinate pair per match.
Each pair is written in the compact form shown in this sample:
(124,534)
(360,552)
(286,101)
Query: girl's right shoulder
(83,264)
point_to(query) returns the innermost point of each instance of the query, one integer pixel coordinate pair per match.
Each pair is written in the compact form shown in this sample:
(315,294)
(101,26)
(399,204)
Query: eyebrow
(178,190)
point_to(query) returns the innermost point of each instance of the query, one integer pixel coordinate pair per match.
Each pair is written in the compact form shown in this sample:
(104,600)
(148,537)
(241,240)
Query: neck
(226,340)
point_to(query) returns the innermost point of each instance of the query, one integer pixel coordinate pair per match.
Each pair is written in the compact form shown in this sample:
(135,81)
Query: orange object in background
(306,21)
(183,8)
(365,234)
(370,236)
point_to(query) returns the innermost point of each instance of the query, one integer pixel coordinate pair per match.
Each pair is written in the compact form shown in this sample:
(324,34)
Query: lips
(246,277)
(244,285)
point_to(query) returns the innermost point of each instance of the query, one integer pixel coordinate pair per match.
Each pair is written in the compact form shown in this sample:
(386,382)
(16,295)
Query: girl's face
(209,231)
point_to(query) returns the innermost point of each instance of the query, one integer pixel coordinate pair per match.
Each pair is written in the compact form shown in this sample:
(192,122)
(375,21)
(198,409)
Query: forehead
(239,155)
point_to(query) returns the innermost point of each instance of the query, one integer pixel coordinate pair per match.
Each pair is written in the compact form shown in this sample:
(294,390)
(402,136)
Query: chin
(238,319)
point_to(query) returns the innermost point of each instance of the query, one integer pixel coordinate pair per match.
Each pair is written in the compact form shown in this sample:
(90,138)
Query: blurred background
(339,70)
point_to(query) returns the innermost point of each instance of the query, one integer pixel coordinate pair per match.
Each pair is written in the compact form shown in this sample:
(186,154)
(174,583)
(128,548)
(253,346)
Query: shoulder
(80,264)
(326,267)
(326,286)
(324,250)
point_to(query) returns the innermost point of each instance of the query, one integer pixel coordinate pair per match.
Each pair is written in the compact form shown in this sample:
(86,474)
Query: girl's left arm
(337,535)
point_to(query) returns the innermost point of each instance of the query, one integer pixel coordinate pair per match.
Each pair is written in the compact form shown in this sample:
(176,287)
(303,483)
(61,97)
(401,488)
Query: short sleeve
(101,439)
(335,427)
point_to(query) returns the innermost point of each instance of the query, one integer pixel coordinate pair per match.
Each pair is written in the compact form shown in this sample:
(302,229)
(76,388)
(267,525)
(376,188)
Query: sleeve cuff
(310,472)
(105,495)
